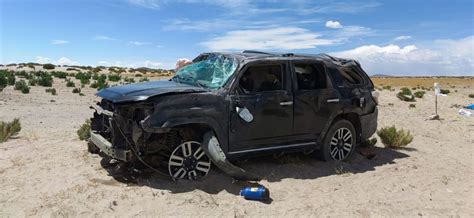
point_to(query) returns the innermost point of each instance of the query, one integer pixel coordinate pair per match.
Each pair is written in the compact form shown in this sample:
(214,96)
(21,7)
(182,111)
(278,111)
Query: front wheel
(339,142)
(189,161)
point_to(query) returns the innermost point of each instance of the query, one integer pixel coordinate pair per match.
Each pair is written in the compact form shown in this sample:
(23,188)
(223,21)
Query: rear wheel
(339,142)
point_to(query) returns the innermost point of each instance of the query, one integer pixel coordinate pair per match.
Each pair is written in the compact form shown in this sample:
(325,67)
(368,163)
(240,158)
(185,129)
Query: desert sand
(46,170)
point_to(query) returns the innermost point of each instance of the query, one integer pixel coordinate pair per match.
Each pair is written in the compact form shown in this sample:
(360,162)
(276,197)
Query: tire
(340,141)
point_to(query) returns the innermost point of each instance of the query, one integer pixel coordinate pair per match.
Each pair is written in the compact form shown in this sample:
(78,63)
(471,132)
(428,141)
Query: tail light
(375,96)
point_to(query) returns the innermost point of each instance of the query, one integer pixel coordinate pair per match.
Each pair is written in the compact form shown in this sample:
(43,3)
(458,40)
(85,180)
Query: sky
(402,37)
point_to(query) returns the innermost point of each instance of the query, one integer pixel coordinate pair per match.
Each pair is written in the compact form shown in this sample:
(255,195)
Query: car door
(315,100)
(264,89)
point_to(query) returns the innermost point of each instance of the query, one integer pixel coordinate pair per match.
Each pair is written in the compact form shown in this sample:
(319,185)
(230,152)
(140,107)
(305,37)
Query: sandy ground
(47,171)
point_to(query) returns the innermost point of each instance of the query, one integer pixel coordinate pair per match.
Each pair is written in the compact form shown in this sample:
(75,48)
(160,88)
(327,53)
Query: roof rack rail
(257,52)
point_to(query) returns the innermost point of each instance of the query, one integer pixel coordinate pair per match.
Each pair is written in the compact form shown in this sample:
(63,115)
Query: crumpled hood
(145,90)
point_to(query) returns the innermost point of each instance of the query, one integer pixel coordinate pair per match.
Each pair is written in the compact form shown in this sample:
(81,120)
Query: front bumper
(106,148)
(369,124)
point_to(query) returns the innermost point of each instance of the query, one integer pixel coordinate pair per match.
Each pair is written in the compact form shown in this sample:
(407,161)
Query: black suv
(227,106)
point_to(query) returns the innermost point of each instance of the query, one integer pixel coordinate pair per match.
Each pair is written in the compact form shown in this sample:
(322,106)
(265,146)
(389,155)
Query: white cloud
(150,4)
(137,43)
(104,38)
(341,7)
(59,42)
(285,38)
(333,24)
(66,61)
(398,38)
(60,61)
(444,57)
(132,64)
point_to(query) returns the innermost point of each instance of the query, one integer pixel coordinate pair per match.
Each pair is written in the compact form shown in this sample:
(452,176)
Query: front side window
(310,76)
(262,78)
(211,72)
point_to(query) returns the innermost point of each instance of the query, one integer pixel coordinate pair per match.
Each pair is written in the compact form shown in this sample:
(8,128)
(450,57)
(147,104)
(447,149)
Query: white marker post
(436,92)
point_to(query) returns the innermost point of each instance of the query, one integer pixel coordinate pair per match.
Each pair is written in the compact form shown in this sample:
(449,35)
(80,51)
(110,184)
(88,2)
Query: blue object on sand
(255,193)
(471,107)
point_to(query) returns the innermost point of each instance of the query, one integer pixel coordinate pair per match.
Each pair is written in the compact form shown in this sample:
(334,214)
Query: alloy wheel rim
(189,161)
(341,144)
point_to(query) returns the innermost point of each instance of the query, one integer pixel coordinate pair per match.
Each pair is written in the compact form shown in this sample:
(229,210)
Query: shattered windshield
(211,73)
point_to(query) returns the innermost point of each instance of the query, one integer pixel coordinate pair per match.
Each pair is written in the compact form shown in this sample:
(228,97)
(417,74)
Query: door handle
(332,100)
(285,103)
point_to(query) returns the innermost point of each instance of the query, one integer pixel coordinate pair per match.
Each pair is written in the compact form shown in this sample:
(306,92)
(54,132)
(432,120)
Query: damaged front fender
(212,148)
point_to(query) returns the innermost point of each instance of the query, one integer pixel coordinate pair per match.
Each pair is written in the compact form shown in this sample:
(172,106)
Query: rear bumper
(106,148)
(369,124)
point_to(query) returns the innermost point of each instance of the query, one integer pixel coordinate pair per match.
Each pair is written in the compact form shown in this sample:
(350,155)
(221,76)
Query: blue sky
(393,37)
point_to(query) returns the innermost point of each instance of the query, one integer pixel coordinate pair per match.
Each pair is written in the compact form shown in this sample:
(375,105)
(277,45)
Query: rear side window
(310,76)
(350,76)
(262,78)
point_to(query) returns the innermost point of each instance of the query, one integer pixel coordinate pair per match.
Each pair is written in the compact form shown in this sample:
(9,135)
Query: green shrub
(392,138)
(84,131)
(405,94)
(138,75)
(144,79)
(10,78)
(129,80)
(22,86)
(3,80)
(444,91)
(412,106)
(76,90)
(9,129)
(49,66)
(32,82)
(45,79)
(59,74)
(419,94)
(51,90)
(114,77)
(70,83)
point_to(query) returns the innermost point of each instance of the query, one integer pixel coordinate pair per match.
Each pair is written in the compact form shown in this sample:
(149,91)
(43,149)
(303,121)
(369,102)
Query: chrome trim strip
(274,147)
(285,103)
(332,100)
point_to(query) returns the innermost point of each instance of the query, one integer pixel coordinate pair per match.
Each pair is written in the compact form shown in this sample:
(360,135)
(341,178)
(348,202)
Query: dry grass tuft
(392,138)
(9,129)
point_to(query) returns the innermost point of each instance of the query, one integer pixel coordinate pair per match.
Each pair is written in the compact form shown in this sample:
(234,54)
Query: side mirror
(244,113)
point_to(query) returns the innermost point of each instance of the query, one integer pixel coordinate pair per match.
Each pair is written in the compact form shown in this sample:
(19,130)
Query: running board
(273,148)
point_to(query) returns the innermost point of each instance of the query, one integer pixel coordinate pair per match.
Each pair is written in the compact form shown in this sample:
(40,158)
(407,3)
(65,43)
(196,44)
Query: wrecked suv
(228,106)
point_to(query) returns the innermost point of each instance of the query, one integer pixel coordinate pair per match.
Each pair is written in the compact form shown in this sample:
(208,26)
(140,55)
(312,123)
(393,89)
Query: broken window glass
(211,72)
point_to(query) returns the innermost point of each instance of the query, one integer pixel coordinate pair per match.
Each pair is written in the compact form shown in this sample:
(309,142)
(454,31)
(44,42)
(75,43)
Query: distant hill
(380,75)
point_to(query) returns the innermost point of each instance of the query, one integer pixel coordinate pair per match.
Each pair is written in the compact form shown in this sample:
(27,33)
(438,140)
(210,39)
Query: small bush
(11,78)
(22,86)
(9,129)
(144,79)
(84,131)
(129,80)
(392,138)
(59,74)
(412,106)
(3,81)
(70,83)
(471,95)
(405,94)
(114,77)
(45,79)
(444,91)
(419,94)
(138,75)
(76,90)
(49,66)
(51,90)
